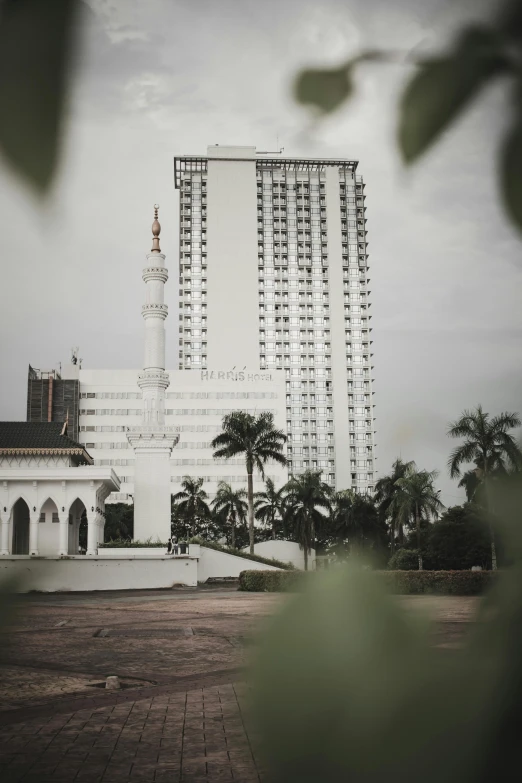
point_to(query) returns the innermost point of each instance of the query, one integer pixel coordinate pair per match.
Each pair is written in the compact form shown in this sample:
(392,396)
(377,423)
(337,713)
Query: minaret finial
(156,228)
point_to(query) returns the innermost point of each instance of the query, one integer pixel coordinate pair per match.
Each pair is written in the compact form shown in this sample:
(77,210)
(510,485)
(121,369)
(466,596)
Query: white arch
(73,501)
(49,497)
(20,529)
(22,496)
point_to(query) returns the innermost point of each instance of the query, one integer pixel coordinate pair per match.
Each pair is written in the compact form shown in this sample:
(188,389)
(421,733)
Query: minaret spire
(156,229)
(153,441)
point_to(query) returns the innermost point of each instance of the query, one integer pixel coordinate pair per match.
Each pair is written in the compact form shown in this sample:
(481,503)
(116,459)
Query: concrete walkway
(180,655)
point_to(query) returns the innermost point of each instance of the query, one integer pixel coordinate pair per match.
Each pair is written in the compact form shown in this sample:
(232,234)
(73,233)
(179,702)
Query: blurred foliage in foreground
(441,88)
(36,43)
(349,686)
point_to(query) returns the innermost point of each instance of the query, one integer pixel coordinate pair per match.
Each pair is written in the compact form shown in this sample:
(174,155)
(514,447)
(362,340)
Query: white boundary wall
(129,569)
(213,563)
(95,573)
(285,551)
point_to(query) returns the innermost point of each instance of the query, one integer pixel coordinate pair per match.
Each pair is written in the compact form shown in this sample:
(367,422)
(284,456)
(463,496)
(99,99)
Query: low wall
(53,575)
(286,551)
(213,563)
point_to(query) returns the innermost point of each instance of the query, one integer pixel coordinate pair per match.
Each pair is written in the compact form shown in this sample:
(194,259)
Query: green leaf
(511,174)
(328,88)
(442,87)
(325,88)
(35,44)
(348,687)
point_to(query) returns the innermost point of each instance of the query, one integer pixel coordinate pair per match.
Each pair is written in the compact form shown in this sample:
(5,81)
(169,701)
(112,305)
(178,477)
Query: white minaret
(153,441)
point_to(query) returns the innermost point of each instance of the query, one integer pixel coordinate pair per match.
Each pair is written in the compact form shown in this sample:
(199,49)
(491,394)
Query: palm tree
(471,482)
(306,497)
(489,445)
(268,505)
(191,502)
(386,490)
(258,439)
(417,499)
(355,518)
(231,503)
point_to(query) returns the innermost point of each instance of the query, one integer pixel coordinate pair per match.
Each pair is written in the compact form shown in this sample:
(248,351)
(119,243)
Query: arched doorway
(77,542)
(82,534)
(20,528)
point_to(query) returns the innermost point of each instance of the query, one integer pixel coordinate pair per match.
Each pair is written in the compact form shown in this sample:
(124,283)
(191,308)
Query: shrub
(404,560)
(122,543)
(437,582)
(459,539)
(396,582)
(270,581)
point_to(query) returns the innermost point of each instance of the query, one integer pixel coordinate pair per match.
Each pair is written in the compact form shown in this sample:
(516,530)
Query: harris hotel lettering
(233,375)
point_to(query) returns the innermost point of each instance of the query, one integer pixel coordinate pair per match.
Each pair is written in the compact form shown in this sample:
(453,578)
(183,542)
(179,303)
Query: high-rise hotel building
(273,315)
(273,273)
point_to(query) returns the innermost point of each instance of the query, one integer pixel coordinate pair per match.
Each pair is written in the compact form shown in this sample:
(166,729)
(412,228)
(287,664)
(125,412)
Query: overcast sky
(159,78)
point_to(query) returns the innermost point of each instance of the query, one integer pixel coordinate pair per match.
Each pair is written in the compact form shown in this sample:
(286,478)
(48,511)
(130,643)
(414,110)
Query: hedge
(437,582)
(270,581)
(121,543)
(396,582)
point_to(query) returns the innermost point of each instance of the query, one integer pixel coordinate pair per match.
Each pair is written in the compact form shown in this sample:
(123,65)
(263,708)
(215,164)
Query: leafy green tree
(356,522)
(417,499)
(404,560)
(231,505)
(119,521)
(488,444)
(180,527)
(459,540)
(306,500)
(192,507)
(256,437)
(386,491)
(268,507)
(341,517)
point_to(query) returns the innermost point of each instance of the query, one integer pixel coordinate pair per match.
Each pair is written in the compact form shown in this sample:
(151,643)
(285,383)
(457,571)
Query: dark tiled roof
(41,436)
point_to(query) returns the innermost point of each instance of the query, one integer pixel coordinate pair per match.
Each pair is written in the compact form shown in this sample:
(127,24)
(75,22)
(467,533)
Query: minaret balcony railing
(155,273)
(155,310)
(153,379)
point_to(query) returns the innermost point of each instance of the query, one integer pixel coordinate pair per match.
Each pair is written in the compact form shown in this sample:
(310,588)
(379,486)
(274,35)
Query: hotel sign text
(233,375)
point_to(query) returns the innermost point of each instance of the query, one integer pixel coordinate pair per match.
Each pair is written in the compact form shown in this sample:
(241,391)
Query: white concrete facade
(289,267)
(42,506)
(232,330)
(195,404)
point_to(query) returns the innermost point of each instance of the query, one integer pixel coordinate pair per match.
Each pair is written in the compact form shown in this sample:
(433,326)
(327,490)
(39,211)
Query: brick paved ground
(181,655)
